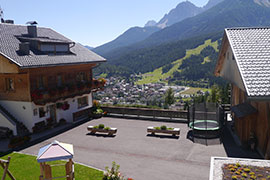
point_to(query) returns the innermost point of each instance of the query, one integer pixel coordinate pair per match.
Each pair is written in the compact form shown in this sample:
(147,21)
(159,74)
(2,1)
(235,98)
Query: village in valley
(118,91)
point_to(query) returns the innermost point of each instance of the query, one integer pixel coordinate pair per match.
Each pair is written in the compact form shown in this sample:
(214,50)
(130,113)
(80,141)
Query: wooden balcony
(53,94)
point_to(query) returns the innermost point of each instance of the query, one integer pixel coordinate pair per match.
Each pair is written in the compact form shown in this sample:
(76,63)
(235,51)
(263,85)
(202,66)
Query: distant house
(244,60)
(45,78)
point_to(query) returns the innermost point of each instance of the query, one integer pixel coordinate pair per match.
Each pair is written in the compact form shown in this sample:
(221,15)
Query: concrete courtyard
(139,155)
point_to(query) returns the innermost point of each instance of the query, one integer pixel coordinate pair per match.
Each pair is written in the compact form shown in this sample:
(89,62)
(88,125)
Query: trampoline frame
(205,114)
(204,128)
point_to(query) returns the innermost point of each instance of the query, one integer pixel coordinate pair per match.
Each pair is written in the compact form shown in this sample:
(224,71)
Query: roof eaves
(236,60)
(11,59)
(63,64)
(259,98)
(217,71)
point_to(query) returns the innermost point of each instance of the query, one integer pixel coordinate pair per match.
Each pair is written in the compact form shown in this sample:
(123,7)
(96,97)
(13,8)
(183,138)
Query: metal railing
(154,114)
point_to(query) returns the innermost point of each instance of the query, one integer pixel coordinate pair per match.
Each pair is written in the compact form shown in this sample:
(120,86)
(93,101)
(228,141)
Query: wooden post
(6,171)
(48,171)
(41,177)
(69,170)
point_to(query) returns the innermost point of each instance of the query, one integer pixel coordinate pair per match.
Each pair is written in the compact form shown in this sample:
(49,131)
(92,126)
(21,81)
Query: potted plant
(113,173)
(252,141)
(102,81)
(37,94)
(164,129)
(65,106)
(101,128)
(98,113)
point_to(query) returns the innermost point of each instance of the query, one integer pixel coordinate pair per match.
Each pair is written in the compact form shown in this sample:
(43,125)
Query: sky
(89,22)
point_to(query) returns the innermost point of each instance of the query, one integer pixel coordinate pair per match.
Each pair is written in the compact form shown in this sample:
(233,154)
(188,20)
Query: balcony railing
(53,94)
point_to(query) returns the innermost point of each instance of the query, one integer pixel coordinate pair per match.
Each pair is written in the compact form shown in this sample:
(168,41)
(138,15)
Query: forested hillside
(195,69)
(158,51)
(161,58)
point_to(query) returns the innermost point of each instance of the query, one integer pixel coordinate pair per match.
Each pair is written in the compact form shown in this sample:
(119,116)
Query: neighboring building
(244,60)
(44,77)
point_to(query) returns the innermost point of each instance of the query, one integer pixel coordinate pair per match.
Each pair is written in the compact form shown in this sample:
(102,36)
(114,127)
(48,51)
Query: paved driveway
(140,156)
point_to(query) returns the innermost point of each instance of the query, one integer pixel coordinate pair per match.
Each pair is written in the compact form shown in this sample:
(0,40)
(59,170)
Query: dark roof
(251,48)
(242,110)
(11,35)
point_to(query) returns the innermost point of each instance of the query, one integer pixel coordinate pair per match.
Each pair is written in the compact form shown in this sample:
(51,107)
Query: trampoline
(204,125)
(205,120)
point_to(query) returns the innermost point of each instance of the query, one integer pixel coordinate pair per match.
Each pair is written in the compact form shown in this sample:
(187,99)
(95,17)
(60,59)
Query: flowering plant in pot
(102,81)
(65,106)
(113,173)
(37,94)
(52,92)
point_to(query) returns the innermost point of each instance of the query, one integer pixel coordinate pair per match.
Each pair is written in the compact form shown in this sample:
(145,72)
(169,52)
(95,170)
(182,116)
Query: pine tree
(169,97)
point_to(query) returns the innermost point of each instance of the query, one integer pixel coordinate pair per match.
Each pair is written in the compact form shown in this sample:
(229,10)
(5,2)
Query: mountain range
(136,34)
(169,44)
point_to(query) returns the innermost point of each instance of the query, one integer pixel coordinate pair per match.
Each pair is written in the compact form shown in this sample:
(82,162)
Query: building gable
(251,50)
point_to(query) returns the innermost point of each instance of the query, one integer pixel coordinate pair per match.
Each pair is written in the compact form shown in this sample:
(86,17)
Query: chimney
(24,48)
(32,31)
(9,21)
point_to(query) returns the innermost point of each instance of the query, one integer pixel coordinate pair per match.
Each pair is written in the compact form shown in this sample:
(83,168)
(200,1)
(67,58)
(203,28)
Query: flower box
(94,130)
(172,131)
(218,163)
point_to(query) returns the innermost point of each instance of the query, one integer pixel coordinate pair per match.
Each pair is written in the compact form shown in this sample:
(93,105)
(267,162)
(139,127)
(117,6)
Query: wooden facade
(258,124)
(19,84)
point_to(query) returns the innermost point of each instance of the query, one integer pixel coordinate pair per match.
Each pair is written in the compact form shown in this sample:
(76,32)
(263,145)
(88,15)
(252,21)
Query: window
(40,82)
(41,112)
(54,48)
(59,80)
(82,102)
(10,84)
(35,112)
(81,77)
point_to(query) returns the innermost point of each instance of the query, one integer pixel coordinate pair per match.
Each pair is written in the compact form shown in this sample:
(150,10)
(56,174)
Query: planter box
(97,116)
(174,131)
(110,132)
(216,172)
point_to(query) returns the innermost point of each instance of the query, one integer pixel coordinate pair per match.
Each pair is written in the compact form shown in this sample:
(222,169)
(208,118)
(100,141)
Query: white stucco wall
(63,114)
(22,111)
(6,123)
(230,70)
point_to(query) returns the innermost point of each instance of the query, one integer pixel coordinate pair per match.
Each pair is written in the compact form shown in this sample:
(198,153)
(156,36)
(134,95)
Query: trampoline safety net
(205,119)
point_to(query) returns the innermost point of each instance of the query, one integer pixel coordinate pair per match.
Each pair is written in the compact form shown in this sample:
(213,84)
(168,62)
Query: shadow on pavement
(101,135)
(203,141)
(234,150)
(163,136)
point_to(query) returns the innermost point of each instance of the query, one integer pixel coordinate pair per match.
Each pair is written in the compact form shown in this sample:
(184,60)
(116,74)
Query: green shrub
(95,127)
(101,126)
(157,128)
(107,128)
(163,127)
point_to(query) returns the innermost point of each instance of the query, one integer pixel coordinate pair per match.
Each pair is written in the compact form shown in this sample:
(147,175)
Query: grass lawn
(192,90)
(157,76)
(26,167)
